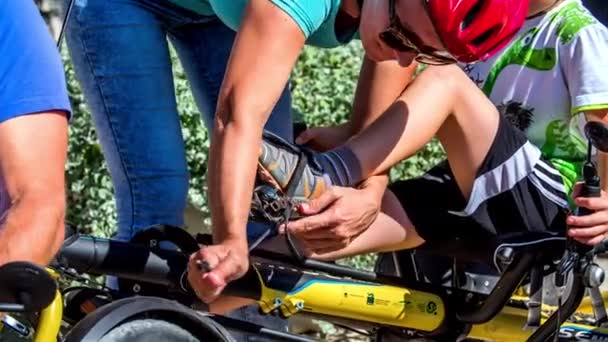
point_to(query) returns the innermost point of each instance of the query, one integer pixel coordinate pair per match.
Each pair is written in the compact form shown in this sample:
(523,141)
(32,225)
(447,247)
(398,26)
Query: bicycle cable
(65,23)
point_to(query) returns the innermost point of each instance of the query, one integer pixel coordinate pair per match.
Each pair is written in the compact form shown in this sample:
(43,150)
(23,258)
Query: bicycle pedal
(81,302)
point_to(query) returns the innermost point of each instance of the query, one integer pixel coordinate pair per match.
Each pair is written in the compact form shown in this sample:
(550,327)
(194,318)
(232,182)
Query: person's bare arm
(336,213)
(379,85)
(33,152)
(264,53)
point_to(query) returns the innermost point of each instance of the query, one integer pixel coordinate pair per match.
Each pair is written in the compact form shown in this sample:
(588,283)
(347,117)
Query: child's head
(438,30)
(537,6)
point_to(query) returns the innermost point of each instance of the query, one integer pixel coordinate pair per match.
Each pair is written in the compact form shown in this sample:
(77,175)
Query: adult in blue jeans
(121,59)
(120,54)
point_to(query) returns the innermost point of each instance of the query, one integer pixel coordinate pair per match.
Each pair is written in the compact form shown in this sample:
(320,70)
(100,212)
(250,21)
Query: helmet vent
(479,40)
(471,16)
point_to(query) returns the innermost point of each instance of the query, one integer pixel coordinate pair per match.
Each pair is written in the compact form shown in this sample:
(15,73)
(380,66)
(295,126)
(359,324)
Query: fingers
(209,255)
(306,225)
(593,203)
(595,219)
(589,229)
(205,284)
(590,241)
(320,203)
(211,269)
(588,232)
(335,230)
(321,213)
(231,267)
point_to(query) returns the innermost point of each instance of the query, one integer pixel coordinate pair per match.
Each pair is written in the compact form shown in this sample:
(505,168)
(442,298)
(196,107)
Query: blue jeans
(121,58)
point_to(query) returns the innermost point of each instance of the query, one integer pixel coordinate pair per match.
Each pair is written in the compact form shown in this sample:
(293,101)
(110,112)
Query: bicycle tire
(148,330)
(144,318)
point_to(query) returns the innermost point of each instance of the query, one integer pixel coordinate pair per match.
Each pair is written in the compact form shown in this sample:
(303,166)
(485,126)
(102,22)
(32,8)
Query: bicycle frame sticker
(575,333)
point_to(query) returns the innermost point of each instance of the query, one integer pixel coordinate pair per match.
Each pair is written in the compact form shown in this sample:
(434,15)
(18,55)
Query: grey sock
(341,165)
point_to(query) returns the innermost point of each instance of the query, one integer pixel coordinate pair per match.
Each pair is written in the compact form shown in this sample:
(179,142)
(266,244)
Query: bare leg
(391,231)
(441,102)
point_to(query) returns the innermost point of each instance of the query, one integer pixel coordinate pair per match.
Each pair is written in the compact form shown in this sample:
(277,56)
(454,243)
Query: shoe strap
(290,189)
(302,160)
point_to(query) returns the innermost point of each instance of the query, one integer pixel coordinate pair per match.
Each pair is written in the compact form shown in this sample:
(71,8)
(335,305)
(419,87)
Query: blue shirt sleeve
(316,18)
(309,15)
(31,73)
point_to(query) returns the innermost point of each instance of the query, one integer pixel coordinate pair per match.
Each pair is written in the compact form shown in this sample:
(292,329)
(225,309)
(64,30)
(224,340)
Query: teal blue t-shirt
(316,18)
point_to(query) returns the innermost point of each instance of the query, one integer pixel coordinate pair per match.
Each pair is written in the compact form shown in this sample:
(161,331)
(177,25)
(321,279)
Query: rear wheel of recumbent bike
(148,319)
(148,330)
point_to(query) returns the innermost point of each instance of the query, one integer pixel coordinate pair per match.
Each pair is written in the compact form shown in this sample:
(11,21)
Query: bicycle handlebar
(100,256)
(137,262)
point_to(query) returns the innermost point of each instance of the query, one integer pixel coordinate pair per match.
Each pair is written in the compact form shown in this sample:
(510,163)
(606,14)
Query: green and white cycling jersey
(555,69)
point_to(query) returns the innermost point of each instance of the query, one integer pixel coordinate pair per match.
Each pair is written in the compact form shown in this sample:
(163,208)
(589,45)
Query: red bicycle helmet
(473,30)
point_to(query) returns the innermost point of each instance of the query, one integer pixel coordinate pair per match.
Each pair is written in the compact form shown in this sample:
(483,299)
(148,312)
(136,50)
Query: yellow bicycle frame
(359,301)
(50,320)
(49,323)
(400,307)
(366,302)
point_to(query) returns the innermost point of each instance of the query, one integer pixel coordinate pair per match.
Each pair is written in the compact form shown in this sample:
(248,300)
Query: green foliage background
(323,85)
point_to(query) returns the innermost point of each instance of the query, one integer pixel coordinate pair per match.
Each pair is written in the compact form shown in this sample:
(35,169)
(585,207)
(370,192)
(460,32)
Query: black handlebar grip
(127,260)
(87,254)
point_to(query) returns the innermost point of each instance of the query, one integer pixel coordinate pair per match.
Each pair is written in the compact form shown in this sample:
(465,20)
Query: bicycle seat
(26,285)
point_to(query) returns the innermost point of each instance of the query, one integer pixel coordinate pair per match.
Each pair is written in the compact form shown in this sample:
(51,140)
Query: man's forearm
(232,163)
(33,230)
(379,85)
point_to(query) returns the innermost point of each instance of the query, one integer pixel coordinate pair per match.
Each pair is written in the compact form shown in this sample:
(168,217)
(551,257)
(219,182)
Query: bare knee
(449,77)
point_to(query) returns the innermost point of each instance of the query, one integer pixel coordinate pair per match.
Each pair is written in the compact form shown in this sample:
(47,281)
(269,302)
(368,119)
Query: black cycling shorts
(515,190)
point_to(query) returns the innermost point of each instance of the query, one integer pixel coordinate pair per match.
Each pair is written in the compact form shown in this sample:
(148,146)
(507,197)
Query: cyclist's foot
(276,165)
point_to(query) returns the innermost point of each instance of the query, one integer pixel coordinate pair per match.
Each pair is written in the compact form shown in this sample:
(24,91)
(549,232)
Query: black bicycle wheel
(144,318)
(148,330)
